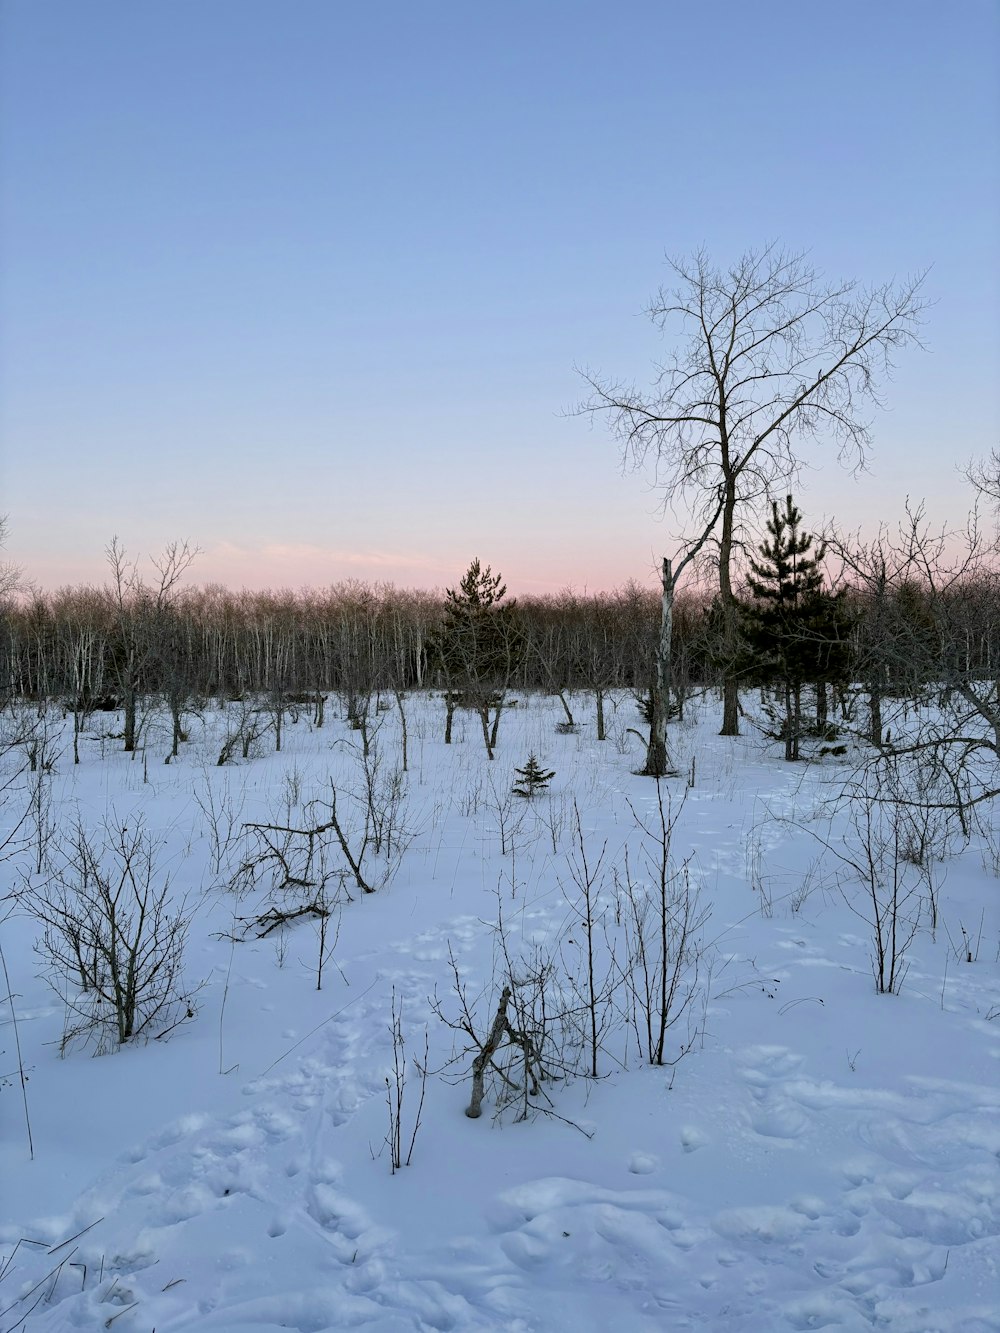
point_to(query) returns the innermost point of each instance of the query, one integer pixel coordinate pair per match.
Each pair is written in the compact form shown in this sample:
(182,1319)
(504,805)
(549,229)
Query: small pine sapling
(532,778)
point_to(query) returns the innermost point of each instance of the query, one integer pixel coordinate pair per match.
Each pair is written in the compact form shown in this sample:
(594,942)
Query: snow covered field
(822,1156)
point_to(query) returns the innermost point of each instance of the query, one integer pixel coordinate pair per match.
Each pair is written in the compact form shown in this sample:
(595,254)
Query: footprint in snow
(643,1163)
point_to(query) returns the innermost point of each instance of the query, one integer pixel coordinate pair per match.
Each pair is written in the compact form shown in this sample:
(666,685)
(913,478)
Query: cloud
(305,551)
(311,563)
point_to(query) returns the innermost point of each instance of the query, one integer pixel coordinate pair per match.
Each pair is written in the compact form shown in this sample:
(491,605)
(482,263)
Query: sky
(310,284)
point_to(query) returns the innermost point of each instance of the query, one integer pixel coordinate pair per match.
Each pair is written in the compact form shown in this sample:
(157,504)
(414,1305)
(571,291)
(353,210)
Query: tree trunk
(727,598)
(796,719)
(875,715)
(730,708)
(486,1053)
(130,708)
(822,708)
(601,733)
(657,760)
(449,717)
(496,726)
(484,718)
(402,725)
(657,756)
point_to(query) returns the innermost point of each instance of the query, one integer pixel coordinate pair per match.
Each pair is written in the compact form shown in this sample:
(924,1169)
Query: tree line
(883,619)
(92,644)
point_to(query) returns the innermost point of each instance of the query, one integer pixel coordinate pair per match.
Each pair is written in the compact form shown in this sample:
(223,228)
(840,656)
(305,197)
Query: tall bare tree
(767,356)
(137,608)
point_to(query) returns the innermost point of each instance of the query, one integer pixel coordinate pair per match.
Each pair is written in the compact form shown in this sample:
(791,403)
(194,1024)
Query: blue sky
(306,282)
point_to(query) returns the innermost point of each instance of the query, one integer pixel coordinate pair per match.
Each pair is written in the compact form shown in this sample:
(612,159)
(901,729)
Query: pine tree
(793,630)
(532,778)
(477,647)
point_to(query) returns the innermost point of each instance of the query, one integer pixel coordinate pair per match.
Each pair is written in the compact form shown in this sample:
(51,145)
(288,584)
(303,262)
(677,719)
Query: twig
(124,1310)
(803,999)
(63,1243)
(17,1045)
(316,1029)
(40,1283)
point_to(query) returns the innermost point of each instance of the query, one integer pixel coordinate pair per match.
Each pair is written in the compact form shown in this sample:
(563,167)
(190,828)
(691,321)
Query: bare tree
(530,1042)
(10,574)
(984,474)
(657,755)
(113,937)
(890,901)
(138,607)
(931,601)
(770,355)
(594,974)
(663,920)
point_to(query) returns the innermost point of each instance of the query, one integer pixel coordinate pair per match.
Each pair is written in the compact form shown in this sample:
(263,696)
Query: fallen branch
(500,1029)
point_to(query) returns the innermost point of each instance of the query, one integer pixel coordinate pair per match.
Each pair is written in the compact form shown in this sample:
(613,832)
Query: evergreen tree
(477,647)
(532,778)
(794,631)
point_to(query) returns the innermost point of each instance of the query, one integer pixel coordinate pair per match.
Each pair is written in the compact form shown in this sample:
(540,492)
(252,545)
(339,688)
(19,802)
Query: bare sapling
(530,1042)
(354,856)
(22,1073)
(917,792)
(246,724)
(541,1030)
(42,756)
(508,814)
(890,900)
(383,798)
(327,941)
(113,937)
(596,976)
(663,919)
(395,1090)
(222,811)
(358,710)
(555,818)
(893,900)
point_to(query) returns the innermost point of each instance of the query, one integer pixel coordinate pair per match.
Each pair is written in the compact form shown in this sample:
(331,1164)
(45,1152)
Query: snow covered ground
(823,1157)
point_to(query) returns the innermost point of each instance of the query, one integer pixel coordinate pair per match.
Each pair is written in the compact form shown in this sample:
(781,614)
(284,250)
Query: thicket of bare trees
(927,636)
(91,647)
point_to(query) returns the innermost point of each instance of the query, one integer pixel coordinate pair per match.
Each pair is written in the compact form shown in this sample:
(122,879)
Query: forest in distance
(887,618)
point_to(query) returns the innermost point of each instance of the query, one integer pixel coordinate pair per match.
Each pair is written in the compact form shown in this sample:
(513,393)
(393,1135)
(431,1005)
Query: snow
(822,1157)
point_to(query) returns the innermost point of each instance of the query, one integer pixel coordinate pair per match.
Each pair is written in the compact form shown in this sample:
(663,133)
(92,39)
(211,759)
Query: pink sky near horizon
(277,566)
(619,551)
